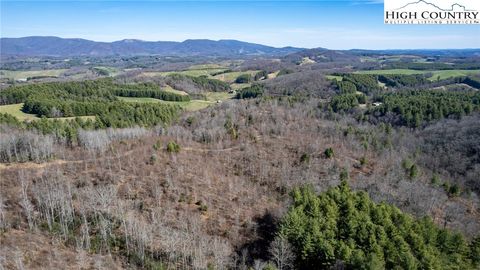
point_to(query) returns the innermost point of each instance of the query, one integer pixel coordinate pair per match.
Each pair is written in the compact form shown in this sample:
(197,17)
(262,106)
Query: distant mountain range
(68,47)
(422,52)
(55,46)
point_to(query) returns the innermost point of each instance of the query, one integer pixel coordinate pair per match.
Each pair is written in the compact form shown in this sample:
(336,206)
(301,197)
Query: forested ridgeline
(66,99)
(413,102)
(370,83)
(416,107)
(403,80)
(412,108)
(469,65)
(193,84)
(345,229)
(309,83)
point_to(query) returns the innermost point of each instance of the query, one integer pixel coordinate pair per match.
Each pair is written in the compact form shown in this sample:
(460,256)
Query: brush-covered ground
(140,202)
(229,180)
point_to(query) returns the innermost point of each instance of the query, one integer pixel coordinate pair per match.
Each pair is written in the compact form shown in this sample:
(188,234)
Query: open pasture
(441,74)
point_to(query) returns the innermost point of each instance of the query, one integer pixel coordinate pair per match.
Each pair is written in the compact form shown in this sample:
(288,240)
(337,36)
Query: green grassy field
(16,110)
(237,86)
(214,96)
(443,74)
(273,75)
(193,105)
(23,75)
(168,88)
(207,66)
(332,77)
(107,71)
(191,72)
(140,99)
(232,76)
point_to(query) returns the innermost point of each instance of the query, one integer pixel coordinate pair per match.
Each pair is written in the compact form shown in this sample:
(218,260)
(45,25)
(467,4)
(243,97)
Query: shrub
(305,158)
(244,78)
(201,206)
(153,159)
(157,145)
(413,171)
(363,161)
(231,128)
(454,191)
(329,153)
(344,176)
(173,147)
(407,164)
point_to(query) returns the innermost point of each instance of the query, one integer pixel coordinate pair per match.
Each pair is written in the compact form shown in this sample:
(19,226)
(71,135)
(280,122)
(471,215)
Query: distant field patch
(442,74)
(192,105)
(306,61)
(273,75)
(168,88)
(140,99)
(207,66)
(23,75)
(106,71)
(237,86)
(232,76)
(16,110)
(191,72)
(333,77)
(368,59)
(218,96)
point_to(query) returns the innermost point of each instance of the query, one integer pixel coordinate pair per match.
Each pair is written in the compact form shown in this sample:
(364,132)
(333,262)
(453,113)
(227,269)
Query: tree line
(398,80)
(253,91)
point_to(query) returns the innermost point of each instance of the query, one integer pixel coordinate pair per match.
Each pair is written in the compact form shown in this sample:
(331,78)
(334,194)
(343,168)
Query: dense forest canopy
(416,107)
(344,228)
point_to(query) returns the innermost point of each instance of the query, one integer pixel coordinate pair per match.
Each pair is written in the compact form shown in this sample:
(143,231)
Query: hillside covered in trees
(344,228)
(316,160)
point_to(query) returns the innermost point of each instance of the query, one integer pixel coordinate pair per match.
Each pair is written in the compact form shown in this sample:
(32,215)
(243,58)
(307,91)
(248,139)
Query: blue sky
(343,24)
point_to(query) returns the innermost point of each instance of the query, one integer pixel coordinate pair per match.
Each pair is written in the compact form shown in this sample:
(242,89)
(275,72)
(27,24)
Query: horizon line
(226,39)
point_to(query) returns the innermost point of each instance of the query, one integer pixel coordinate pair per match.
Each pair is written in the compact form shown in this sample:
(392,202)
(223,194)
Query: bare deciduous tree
(282,253)
(25,202)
